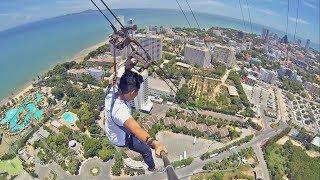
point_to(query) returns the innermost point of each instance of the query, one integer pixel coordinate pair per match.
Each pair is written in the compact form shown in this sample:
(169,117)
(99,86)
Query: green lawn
(12,167)
(276,160)
(301,165)
(240,173)
(293,162)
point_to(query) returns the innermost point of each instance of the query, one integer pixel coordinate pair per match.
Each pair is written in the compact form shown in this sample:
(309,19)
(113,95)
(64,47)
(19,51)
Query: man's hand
(142,135)
(159,147)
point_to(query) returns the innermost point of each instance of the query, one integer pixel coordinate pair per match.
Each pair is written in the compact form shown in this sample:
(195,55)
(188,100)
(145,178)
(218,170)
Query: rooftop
(77,71)
(147,106)
(41,133)
(197,47)
(251,77)
(316,141)
(95,70)
(147,36)
(108,59)
(233,91)
(224,47)
(56,124)
(184,65)
(160,85)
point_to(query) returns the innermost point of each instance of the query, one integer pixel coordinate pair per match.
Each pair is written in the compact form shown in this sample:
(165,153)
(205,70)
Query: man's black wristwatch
(150,141)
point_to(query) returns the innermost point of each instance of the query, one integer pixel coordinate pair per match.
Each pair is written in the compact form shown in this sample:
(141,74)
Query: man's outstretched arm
(133,126)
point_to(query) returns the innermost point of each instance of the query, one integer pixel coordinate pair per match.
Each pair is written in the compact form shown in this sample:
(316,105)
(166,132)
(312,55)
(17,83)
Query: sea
(29,50)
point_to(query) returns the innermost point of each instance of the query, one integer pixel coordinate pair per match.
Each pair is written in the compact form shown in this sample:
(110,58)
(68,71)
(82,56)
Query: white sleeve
(121,115)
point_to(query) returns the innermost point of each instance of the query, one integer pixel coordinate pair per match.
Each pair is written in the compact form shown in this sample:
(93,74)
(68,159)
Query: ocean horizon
(31,49)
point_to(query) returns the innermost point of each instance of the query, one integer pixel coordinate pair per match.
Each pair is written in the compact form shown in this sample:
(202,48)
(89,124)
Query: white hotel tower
(141,101)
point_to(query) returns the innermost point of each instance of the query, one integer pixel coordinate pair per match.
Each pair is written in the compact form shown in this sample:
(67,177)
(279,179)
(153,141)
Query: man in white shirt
(122,130)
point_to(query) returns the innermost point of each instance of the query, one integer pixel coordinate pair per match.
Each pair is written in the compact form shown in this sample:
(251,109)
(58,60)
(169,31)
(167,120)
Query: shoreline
(78,57)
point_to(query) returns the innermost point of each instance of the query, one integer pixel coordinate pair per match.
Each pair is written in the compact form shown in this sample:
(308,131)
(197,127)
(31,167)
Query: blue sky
(266,12)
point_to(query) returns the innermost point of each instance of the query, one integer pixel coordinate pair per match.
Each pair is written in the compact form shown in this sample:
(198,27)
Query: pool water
(29,107)
(70,117)
(39,97)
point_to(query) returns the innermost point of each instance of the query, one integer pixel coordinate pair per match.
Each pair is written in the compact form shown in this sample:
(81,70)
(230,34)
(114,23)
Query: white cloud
(306,3)
(208,2)
(284,2)
(267,11)
(5,14)
(299,20)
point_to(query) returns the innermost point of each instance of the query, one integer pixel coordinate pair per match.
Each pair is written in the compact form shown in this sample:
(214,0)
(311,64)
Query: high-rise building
(141,101)
(240,34)
(199,56)
(313,89)
(307,44)
(265,34)
(299,42)
(151,29)
(131,23)
(284,39)
(287,72)
(117,24)
(223,54)
(267,76)
(151,43)
(159,89)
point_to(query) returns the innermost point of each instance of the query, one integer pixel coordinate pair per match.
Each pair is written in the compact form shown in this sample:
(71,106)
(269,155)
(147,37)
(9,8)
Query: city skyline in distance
(267,12)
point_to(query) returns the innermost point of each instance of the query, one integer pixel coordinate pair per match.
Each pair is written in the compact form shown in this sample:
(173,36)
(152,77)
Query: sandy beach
(82,54)
(77,57)
(17,93)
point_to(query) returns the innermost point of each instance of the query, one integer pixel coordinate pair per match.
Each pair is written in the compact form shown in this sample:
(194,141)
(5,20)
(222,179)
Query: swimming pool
(70,117)
(38,97)
(17,119)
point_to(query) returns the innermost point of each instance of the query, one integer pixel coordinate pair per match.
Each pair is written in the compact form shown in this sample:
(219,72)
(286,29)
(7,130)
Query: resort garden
(289,160)
(80,137)
(210,94)
(19,119)
(207,94)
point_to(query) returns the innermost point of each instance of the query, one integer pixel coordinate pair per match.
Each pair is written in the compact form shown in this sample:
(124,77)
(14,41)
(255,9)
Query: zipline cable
(184,14)
(297,16)
(287,26)
(249,16)
(287,17)
(170,171)
(243,20)
(194,17)
(111,24)
(145,51)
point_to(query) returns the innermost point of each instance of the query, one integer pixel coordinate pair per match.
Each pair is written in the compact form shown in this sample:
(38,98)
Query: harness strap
(113,100)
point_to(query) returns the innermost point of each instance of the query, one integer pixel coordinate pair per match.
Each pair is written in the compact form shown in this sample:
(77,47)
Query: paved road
(261,169)
(197,164)
(44,171)
(183,173)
